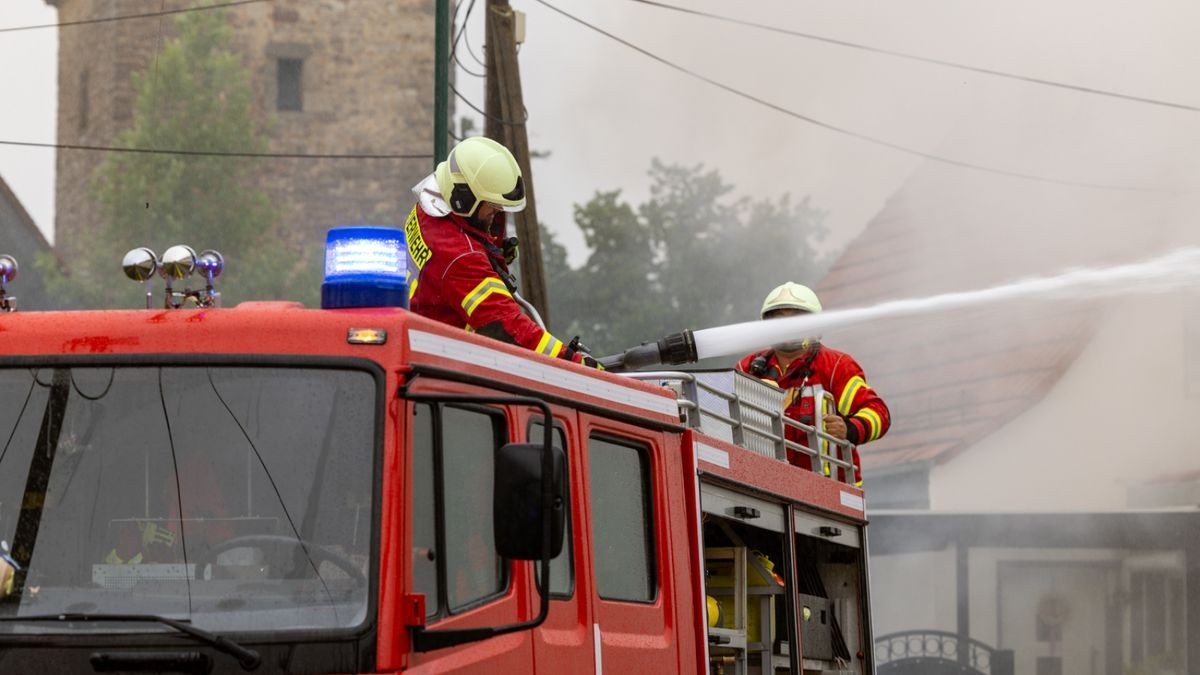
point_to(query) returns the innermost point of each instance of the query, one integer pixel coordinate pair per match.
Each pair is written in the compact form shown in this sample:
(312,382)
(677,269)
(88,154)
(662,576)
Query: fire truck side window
(562,568)
(454,455)
(621,520)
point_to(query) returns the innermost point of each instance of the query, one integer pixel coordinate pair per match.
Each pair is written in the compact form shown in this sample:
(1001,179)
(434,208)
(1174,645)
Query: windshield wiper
(246,657)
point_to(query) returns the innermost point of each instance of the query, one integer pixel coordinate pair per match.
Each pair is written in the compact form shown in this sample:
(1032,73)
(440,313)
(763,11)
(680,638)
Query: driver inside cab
(159,540)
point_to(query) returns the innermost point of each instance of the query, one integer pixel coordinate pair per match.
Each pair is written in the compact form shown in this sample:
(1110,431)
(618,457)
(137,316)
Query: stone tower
(329,77)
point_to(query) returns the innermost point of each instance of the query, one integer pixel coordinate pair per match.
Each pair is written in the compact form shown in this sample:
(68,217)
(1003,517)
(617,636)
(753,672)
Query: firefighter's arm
(866,415)
(487,306)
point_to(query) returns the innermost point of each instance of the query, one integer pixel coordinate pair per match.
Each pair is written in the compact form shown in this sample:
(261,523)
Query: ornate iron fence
(934,651)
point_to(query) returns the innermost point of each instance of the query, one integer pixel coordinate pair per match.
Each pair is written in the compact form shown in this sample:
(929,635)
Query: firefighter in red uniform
(459,255)
(861,415)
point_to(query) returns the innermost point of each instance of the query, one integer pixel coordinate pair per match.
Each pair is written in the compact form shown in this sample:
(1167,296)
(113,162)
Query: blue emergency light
(365,266)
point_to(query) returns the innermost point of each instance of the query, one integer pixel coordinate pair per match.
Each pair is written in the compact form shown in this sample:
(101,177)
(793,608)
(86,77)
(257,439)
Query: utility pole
(505,123)
(441,79)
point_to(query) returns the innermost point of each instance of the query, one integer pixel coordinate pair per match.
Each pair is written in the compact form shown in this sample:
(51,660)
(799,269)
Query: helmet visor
(514,198)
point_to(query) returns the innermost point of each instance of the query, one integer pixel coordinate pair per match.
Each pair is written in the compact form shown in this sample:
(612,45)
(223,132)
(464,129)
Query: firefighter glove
(578,352)
(509,248)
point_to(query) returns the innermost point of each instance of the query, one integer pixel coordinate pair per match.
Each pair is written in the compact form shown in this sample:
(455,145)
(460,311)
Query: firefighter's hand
(589,361)
(578,352)
(835,426)
(509,248)
(584,359)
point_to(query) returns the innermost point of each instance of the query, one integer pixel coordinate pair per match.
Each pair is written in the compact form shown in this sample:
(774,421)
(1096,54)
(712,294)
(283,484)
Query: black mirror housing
(517,506)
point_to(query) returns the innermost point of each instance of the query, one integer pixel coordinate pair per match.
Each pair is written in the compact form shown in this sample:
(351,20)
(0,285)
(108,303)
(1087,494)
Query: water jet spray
(1173,271)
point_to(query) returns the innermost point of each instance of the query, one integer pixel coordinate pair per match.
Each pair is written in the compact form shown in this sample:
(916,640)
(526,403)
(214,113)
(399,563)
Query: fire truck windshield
(238,498)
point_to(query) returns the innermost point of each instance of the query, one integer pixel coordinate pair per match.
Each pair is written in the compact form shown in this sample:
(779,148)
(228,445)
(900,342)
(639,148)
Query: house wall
(1123,413)
(913,590)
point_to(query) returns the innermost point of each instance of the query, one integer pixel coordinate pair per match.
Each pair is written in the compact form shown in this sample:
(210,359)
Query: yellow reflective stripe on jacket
(412,290)
(549,345)
(874,424)
(482,291)
(848,394)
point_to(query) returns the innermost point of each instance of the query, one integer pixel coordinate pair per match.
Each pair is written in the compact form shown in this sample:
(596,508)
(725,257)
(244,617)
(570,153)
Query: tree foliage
(196,95)
(690,256)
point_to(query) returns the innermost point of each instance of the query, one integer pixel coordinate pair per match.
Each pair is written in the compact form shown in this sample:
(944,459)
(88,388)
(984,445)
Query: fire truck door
(628,530)
(455,564)
(564,643)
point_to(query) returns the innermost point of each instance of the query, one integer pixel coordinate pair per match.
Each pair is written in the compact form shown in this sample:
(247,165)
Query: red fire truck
(278,489)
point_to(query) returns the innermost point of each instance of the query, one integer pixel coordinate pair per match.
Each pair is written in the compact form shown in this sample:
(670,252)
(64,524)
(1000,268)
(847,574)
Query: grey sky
(604,111)
(28,85)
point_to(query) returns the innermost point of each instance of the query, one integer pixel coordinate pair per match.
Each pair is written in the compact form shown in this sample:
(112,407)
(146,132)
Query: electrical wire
(215,153)
(924,59)
(462,31)
(126,17)
(463,67)
(479,110)
(467,44)
(845,131)
(458,36)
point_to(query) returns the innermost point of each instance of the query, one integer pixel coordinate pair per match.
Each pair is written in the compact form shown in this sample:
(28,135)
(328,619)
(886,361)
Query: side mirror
(517,507)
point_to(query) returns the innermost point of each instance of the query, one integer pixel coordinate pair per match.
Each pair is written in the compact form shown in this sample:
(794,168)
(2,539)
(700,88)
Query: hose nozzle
(672,350)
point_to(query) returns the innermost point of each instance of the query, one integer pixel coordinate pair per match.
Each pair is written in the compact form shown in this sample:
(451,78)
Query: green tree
(195,96)
(691,256)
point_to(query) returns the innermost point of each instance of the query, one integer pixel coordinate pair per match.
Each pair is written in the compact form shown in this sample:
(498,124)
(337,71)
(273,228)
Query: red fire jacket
(867,416)
(455,275)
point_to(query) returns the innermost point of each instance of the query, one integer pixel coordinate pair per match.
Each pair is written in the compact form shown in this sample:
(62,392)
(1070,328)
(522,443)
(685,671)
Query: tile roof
(951,378)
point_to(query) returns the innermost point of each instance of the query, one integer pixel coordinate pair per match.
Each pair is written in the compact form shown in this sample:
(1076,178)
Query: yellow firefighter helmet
(791,295)
(480,170)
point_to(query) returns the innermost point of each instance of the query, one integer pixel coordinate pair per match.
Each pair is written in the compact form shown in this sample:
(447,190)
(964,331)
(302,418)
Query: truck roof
(409,342)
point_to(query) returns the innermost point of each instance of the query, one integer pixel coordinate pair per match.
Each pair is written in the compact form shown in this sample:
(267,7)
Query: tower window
(289,74)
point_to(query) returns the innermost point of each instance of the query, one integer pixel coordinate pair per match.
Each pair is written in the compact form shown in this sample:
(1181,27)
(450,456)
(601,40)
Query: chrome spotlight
(8,272)
(178,262)
(210,263)
(140,264)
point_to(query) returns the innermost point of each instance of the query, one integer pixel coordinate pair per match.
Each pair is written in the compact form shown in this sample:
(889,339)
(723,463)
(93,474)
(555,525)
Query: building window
(621,520)
(289,77)
(1156,619)
(455,563)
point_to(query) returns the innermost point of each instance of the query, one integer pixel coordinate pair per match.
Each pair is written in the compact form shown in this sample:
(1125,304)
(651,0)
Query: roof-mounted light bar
(178,263)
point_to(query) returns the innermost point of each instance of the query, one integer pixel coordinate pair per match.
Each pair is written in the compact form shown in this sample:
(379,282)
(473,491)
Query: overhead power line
(126,17)
(842,130)
(925,59)
(483,112)
(217,153)
(462,29)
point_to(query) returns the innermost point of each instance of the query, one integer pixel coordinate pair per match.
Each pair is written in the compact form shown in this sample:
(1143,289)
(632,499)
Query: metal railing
(913,651)
(749,413)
